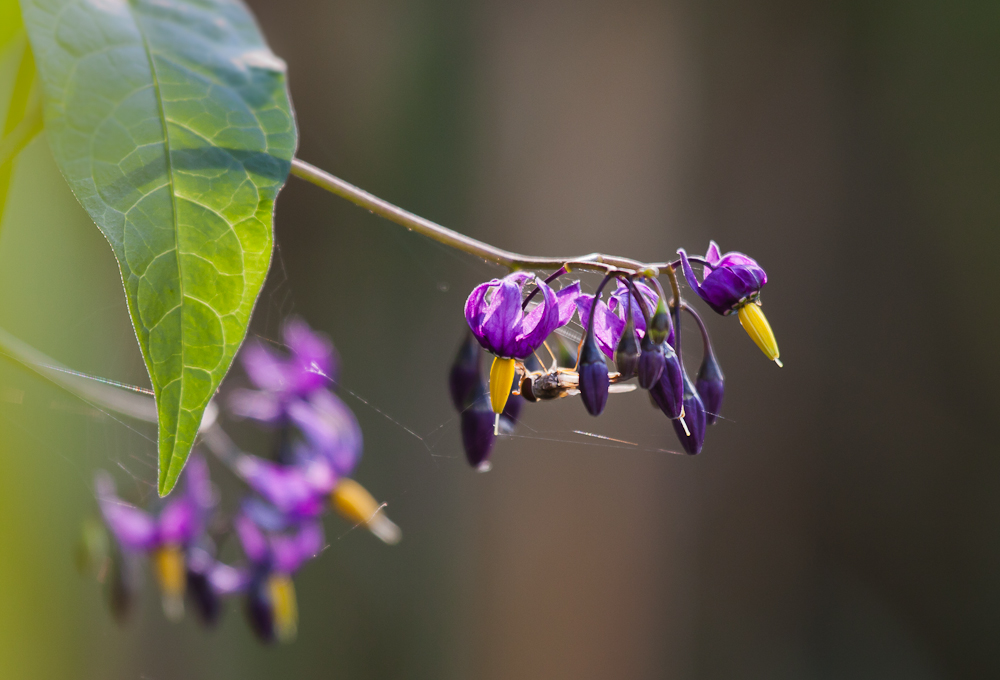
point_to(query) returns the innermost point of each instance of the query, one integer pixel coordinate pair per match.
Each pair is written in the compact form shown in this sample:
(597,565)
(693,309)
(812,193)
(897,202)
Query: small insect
(557,383)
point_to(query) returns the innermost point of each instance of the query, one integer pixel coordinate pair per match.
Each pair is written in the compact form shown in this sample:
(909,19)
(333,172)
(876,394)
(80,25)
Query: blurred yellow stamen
(755,324)
(285,609)
(168,564)
(354,502)
(501,378)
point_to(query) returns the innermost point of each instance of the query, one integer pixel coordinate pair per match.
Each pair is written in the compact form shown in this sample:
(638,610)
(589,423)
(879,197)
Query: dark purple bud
(477,433)
(710,386)
(593,376)
(627,352)
(691,428)
(465,381)
(668,392)
(259,608)
(202,596)
(651,363)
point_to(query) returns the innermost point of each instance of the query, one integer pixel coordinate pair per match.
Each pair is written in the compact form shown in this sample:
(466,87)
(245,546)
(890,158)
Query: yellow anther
(168,563)
(354,502)
(755,324)
(501,378)
(284,607)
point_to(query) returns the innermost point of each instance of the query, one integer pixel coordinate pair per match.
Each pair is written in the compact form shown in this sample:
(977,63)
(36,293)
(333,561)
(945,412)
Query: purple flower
(731,280)
(285,552)
(271,604)
(167,536)
(139,531)
(208,580)
(296,491)
(493,312)
(310,365)
(330,429)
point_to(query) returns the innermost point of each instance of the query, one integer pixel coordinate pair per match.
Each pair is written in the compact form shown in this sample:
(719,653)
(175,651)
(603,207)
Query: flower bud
(659,324)
(477,436)
(692,431)
(651,362)
(202,595)
(464,380)
(755,324)
(627,352)
(593,376)
(668,392)
(710,386)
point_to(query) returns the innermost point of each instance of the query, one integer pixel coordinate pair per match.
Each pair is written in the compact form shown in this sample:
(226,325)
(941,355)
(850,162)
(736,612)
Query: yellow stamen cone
(168,563)
(354,502)
(501,379)
(285,609)
(755,324)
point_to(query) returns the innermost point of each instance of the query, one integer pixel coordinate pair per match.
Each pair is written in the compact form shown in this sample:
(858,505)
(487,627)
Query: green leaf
(171,121)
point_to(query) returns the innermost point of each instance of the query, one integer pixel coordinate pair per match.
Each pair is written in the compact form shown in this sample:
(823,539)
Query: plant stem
(117,399)
(592,262)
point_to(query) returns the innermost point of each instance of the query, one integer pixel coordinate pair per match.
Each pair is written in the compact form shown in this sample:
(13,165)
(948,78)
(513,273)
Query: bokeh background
(842,522)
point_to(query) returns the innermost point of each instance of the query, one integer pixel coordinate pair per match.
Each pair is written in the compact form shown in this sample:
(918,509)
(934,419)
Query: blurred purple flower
(310,365)
(296,491)
(330,430)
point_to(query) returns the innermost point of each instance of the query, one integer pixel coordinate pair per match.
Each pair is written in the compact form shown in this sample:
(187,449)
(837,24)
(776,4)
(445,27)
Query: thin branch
(592,262)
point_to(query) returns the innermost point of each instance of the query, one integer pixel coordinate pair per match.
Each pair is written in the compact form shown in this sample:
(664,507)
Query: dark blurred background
(842,522)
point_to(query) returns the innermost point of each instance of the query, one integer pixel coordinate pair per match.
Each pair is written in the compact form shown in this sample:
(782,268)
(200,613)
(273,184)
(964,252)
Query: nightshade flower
(610,318)
(330,429)
(165,537)
(310,365)
(208,581)
(495,316)
(271,605)
(732,283)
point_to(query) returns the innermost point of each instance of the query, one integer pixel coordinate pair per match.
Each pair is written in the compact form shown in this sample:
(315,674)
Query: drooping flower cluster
(638,329)
(279,526)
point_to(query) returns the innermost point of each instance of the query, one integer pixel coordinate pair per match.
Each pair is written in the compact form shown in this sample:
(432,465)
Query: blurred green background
(843,522)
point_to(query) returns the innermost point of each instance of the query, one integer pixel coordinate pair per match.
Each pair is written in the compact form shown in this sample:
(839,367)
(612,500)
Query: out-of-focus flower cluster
(637,329)
(278,525)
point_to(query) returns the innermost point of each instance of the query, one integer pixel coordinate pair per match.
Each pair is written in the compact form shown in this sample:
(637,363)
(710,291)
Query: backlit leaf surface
(171,121)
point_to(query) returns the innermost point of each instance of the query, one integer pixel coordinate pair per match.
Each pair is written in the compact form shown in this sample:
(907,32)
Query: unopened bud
(594,380)
(691,432)
(659,324)
(651,362)
(477,435)
(710,386)
(668,392)
(464,381)
(627,352)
